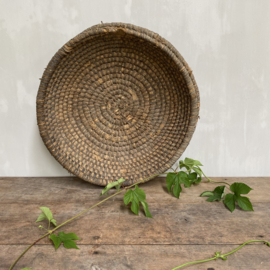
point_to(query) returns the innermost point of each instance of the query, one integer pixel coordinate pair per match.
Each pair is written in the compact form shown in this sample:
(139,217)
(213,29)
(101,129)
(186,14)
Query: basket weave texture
(117,101)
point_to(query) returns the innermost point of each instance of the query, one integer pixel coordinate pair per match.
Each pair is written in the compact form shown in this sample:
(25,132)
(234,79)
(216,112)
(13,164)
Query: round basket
(117,101)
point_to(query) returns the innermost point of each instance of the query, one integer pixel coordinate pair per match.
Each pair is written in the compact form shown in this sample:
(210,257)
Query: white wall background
(225,42)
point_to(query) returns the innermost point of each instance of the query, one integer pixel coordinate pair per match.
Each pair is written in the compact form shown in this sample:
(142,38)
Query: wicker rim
(142,33)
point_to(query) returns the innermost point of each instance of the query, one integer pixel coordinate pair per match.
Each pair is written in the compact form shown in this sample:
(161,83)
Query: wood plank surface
(136,257)
(114,238)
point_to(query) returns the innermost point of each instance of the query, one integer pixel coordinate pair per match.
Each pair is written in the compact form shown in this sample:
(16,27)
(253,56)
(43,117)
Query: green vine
(175,181)
(224,256)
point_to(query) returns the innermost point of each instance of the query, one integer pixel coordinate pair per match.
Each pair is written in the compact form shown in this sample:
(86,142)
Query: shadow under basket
(117,101)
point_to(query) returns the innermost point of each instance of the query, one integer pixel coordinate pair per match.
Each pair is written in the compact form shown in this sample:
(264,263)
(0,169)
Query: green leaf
(70,244)
(128,197)
(183,165)
(135,206)
(183,178)
(41,217)
(207,194)
(197,170)
(56,240)
(146,210)
(177,188)
(199,179)
(176,179)
(136,197)
(66,238)
(47,212)
(244,203)
(216,195)
(193,177)
(212,199)
(27,268)
(53,221)
(170,180)
(240,188)
(116,184)
(191,162)
(219,191)
(139,193)
(230,201)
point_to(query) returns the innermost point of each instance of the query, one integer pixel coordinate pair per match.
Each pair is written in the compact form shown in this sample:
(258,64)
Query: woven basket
(117,101)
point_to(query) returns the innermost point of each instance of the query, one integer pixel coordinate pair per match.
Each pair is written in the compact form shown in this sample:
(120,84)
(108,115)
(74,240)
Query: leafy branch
(50,217)
(190,174)
(193,175)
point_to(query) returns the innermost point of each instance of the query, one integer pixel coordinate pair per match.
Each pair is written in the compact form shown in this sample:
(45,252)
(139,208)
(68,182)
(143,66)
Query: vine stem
(84,211)
(224,256)
(210,180)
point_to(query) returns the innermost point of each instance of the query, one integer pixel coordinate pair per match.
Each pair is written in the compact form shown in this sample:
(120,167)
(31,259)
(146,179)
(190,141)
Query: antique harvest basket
(117,101)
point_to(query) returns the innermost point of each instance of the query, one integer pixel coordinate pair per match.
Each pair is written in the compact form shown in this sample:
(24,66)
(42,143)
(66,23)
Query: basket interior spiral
(117,101)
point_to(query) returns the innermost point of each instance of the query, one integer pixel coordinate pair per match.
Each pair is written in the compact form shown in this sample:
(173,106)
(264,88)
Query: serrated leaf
(244,203)
(240,188)
(229,201)
(207,194)
(65,238)
(146,210)
(116,184)
(135,197)
(41,217)
(56,240)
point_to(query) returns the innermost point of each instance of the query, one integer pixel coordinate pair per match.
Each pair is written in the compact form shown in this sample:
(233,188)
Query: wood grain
(180,231)
(136,257)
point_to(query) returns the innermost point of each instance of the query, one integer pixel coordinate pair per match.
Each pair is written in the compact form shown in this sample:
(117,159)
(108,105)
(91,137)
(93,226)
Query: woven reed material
(117,101)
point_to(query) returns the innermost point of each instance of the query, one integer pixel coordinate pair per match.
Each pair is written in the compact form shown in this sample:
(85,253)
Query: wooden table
(112,237)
